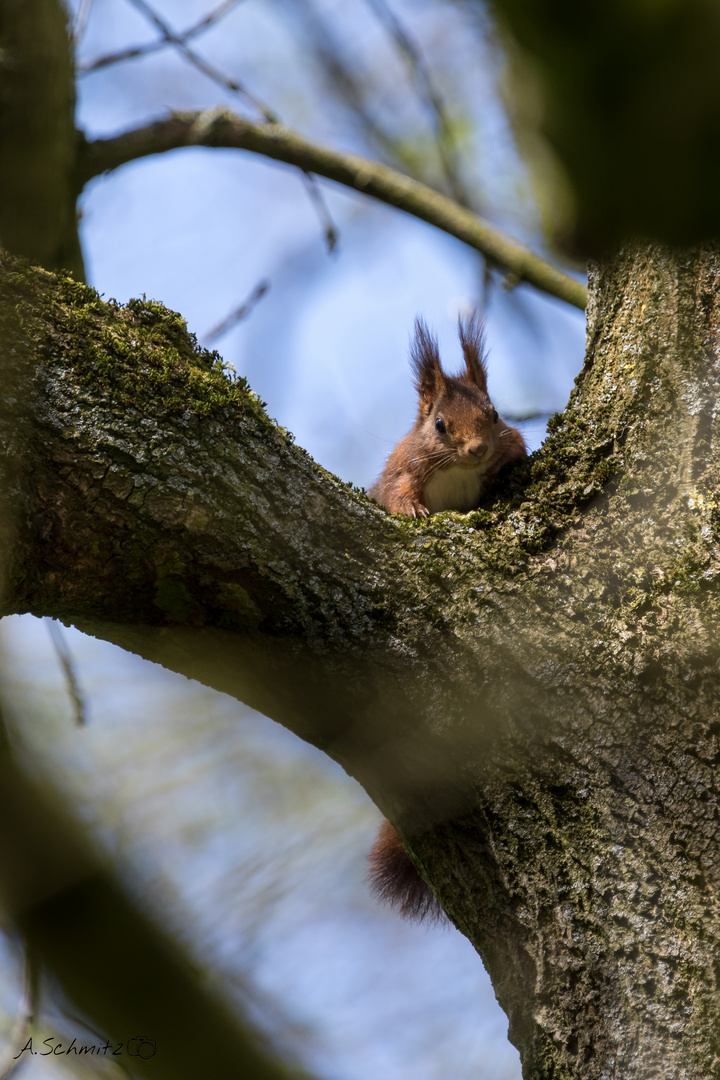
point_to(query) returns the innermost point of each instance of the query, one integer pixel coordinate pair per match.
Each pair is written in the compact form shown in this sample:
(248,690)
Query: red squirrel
(455,449)
(458,443)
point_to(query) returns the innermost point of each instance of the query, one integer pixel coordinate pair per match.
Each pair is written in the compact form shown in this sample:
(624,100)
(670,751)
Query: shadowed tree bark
(529,691)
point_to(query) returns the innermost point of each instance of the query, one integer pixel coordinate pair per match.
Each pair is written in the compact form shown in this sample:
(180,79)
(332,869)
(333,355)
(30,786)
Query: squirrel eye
(440,425)
(495,416)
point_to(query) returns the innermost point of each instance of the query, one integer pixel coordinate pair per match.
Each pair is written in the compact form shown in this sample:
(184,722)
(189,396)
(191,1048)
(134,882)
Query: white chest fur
(455,488)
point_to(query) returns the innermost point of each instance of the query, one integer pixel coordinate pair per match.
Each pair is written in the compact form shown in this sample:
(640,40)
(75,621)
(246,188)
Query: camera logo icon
(142,1047)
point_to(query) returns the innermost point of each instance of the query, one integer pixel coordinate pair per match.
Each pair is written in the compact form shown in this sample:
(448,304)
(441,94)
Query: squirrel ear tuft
(472,339)
(425,362)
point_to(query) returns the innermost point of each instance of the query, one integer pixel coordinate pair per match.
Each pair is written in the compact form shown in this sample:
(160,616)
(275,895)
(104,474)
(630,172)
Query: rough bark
(529,691)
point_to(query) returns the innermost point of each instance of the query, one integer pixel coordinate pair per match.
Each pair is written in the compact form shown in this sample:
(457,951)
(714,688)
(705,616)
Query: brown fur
(431,469)
(450,470)
(395,881)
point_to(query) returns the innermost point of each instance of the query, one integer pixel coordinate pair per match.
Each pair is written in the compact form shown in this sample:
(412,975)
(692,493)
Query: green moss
(171,594)
(172,598)
(143,353)
(23,288)
(240,613)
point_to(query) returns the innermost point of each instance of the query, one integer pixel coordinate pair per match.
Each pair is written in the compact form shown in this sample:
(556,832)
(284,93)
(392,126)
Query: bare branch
(221,128)
(67,663)
(154,46)
(212,17)
(202,65)
(526,417)
(68,906)
(180,42)
(445,139)
(336,67)
(317,199)
(120,57)
(80,21)
(238,314)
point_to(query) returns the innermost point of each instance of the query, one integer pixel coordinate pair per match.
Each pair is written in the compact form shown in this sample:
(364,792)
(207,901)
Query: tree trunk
(39,178)
(528,691)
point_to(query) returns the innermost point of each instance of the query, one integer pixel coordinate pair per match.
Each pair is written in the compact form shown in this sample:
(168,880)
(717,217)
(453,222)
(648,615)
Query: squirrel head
(455,413)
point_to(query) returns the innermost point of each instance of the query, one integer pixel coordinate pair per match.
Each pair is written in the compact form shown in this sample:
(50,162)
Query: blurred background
(246,844)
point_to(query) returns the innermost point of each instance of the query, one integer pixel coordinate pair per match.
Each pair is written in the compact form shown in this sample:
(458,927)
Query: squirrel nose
(476,448)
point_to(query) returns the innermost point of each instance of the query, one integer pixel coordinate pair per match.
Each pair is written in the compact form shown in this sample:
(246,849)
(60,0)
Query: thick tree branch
(220,128)
(529,691)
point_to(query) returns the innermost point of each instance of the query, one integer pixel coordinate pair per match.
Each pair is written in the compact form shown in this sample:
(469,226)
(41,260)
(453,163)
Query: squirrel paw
(410,508)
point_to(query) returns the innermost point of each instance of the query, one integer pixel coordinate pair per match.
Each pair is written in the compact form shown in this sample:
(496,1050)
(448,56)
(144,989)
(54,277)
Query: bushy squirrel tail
(395,881)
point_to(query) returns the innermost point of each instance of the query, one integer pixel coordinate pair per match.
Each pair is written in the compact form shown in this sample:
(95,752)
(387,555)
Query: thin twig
(525,417)
(132,53)
(169,36)
(238,314)
(202,65)
(65,658)
(212,17)
(154,46)
(221,128)
(330,231)
(447,148)
(344,82)
(80,21)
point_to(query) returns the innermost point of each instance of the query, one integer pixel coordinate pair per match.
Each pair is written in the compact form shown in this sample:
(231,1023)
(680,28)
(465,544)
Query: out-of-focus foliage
(248,848)
(617,104)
